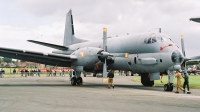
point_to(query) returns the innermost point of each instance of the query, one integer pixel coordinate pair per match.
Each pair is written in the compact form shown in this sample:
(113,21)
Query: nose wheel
(168,87)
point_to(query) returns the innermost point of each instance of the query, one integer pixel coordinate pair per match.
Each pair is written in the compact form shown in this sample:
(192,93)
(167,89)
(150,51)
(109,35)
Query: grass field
(194,81)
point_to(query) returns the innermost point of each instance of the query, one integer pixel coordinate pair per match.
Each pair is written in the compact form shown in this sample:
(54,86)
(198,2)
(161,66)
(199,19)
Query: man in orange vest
(179,77)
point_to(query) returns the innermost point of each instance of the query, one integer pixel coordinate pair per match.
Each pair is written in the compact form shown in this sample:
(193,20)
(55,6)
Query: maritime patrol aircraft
(148,54)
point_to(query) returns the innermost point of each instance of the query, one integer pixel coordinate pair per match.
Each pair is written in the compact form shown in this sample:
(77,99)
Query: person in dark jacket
(110,79)
(186,82)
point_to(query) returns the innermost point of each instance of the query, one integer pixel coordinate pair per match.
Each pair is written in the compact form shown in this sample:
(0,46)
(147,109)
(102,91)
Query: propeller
(105,52)
(183,51)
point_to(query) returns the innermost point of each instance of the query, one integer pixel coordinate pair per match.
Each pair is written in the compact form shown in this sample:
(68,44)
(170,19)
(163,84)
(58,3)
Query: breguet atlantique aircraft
(147,54)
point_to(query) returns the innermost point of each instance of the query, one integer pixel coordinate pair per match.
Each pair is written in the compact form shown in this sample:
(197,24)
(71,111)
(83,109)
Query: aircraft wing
(192,62)
(39,57)
(195,19)
(59,47)
(195,58)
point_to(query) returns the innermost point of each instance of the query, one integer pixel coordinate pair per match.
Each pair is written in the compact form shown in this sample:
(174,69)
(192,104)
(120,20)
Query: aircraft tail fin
(69,37)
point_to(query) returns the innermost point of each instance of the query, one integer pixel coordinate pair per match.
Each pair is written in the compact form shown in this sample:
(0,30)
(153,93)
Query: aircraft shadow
(86,85)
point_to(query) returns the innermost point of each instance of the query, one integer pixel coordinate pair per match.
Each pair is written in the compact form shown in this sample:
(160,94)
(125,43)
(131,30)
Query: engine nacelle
(86,56)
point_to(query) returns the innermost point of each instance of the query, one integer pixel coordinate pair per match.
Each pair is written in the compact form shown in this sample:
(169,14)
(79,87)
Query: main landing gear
(169,86)
(77,80)
(145,80)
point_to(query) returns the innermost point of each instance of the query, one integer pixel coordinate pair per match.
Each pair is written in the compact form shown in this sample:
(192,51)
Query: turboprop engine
(88,56)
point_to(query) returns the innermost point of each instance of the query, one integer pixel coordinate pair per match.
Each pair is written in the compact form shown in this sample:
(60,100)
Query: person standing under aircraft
(14,72)
(54,73)
(70,74)
(60,71)
(161,76)
(179,77)
(63,72)
(186,83)
(110,79)
(38,72)
(22,72)
(50,72)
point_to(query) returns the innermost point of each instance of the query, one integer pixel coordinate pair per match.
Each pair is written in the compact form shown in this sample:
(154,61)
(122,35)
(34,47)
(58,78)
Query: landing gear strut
(169,86)
(145,80)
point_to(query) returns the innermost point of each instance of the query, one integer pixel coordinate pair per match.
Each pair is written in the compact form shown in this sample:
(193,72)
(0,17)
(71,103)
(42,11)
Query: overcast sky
(44,20)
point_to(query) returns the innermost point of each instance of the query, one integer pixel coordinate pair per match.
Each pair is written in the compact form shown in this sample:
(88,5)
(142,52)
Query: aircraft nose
(177,57)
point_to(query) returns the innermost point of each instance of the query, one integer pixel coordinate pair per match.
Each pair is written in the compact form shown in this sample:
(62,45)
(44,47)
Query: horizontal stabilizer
(59,47)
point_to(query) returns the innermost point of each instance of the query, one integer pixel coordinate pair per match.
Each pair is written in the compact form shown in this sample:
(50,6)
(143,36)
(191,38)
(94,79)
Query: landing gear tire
(79,80)
(168,87)
(73,81)
(145,80)
(171,87)
(94,74)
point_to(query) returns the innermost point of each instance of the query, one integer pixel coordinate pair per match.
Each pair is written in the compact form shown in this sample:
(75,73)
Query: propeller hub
(105,54)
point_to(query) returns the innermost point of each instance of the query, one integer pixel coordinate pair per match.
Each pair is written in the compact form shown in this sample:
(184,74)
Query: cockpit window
(147,40)
(163,39)
(154,39)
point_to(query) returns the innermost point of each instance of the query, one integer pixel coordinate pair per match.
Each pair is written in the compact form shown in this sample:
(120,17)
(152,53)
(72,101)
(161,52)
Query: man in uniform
(186,83)
(179,77)
(110,79)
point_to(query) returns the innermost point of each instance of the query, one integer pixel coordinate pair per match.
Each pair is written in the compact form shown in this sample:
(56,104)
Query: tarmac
(55,94)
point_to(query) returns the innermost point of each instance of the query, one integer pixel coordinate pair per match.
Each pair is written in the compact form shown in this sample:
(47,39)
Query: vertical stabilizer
(69,29)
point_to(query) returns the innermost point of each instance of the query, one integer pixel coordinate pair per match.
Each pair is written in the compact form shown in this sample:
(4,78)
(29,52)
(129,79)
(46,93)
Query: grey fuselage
(147,52)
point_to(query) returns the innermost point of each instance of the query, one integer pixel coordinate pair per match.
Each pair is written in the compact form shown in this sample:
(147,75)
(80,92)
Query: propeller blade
(105,69)
(105,39)
(182,45)
(183,51)
(105,53)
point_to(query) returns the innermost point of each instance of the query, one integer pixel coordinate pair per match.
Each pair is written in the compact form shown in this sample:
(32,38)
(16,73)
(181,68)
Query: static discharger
(82,54)
(126,55)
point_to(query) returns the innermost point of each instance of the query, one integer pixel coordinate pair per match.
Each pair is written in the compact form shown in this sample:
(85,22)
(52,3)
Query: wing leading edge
(39,57)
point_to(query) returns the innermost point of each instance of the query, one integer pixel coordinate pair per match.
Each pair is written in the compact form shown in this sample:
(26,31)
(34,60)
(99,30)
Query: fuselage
(141,53)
